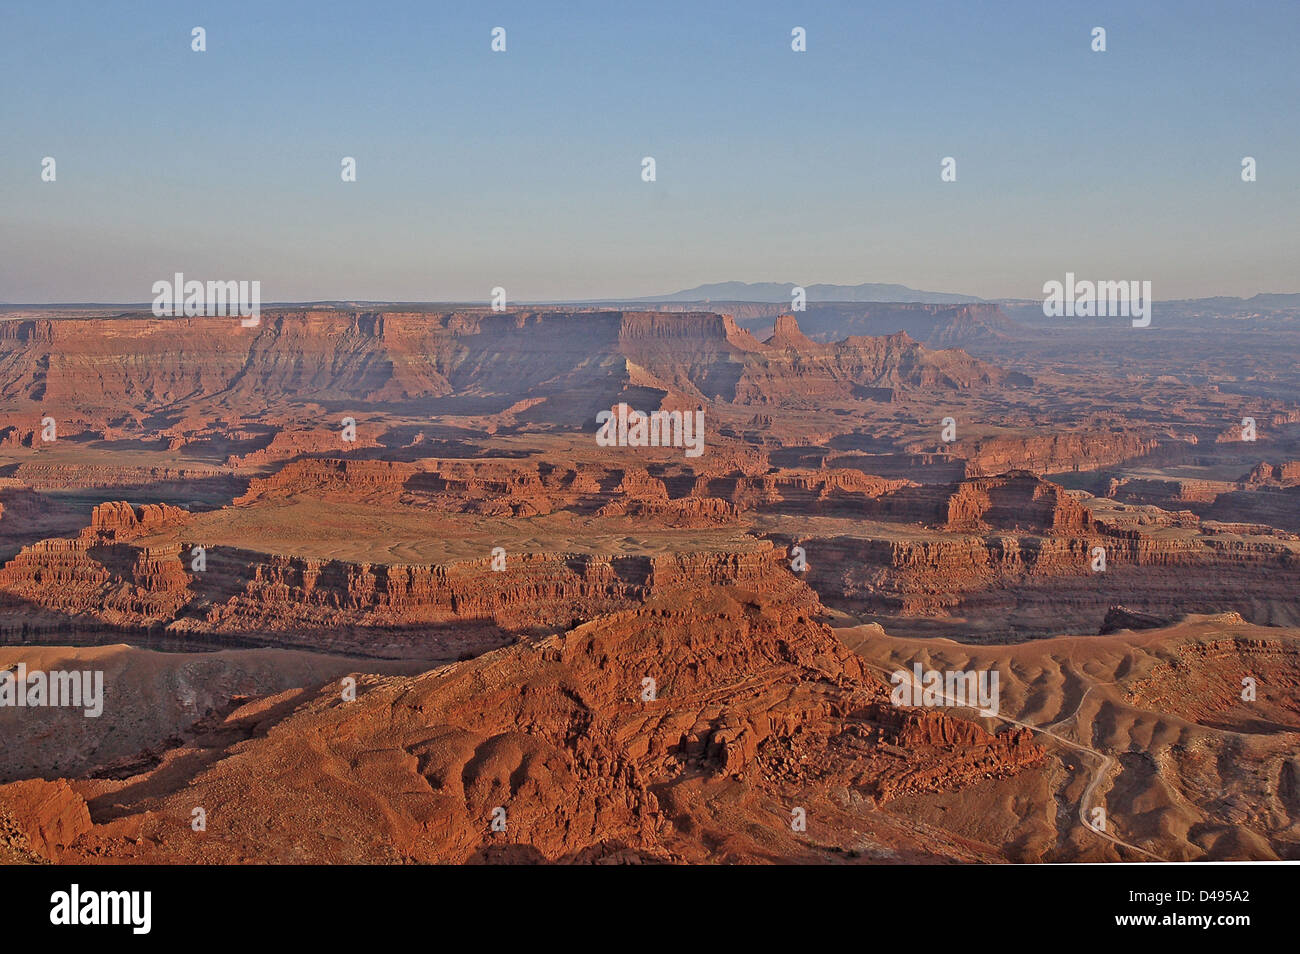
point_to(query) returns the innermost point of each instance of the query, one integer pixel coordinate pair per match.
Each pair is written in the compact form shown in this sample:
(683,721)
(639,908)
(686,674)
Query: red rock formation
(1275,506)
(478,427)
(1119,618)
(1201,681)
(1016,501)
(334,605)
(20,504)
(754,709)
(325,439)
(48,816)
(1169,494)
(1028,583)
(1285,474)
(580,360)
(40,475)
(937,325)
(490,487)
(800,491)
(852,368)
(119,520)
(1055,453)
(786,334)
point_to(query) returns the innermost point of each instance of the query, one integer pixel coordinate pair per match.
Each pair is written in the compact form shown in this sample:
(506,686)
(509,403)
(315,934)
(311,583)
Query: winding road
(1104,761)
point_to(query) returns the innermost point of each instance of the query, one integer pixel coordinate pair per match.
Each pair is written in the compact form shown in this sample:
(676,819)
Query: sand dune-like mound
(1149,725)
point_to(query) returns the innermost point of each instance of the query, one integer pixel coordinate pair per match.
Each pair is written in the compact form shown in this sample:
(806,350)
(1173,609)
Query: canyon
(235,521)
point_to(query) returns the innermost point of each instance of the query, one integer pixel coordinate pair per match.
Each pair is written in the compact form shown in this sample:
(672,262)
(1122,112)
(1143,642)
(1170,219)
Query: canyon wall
(101,581)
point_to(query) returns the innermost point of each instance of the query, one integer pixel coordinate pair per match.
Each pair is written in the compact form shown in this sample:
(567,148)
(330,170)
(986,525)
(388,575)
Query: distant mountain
(1262,300)
(777,292)
(1265,310)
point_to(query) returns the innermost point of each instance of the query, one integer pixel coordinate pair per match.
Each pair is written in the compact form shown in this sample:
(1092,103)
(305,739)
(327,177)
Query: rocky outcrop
(1119,618)
(178,481)
(42,817)
(1263,474)
(1054,454)
(119,520)
(1202,680)
(937,326)
(625,738)
(1026,584)
(825,491)
(63,585)
(786,334)
(579,361)
(362,608)
(1016,501)
(1276,507)
(854,368)
(293,444)
(495,487)
(19,504)
(1168,494)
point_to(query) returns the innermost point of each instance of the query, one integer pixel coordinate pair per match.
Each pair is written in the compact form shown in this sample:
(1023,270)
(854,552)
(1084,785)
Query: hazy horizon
(615,299)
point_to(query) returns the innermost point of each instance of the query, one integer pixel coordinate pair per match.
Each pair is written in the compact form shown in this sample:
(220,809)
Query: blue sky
(522,169)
